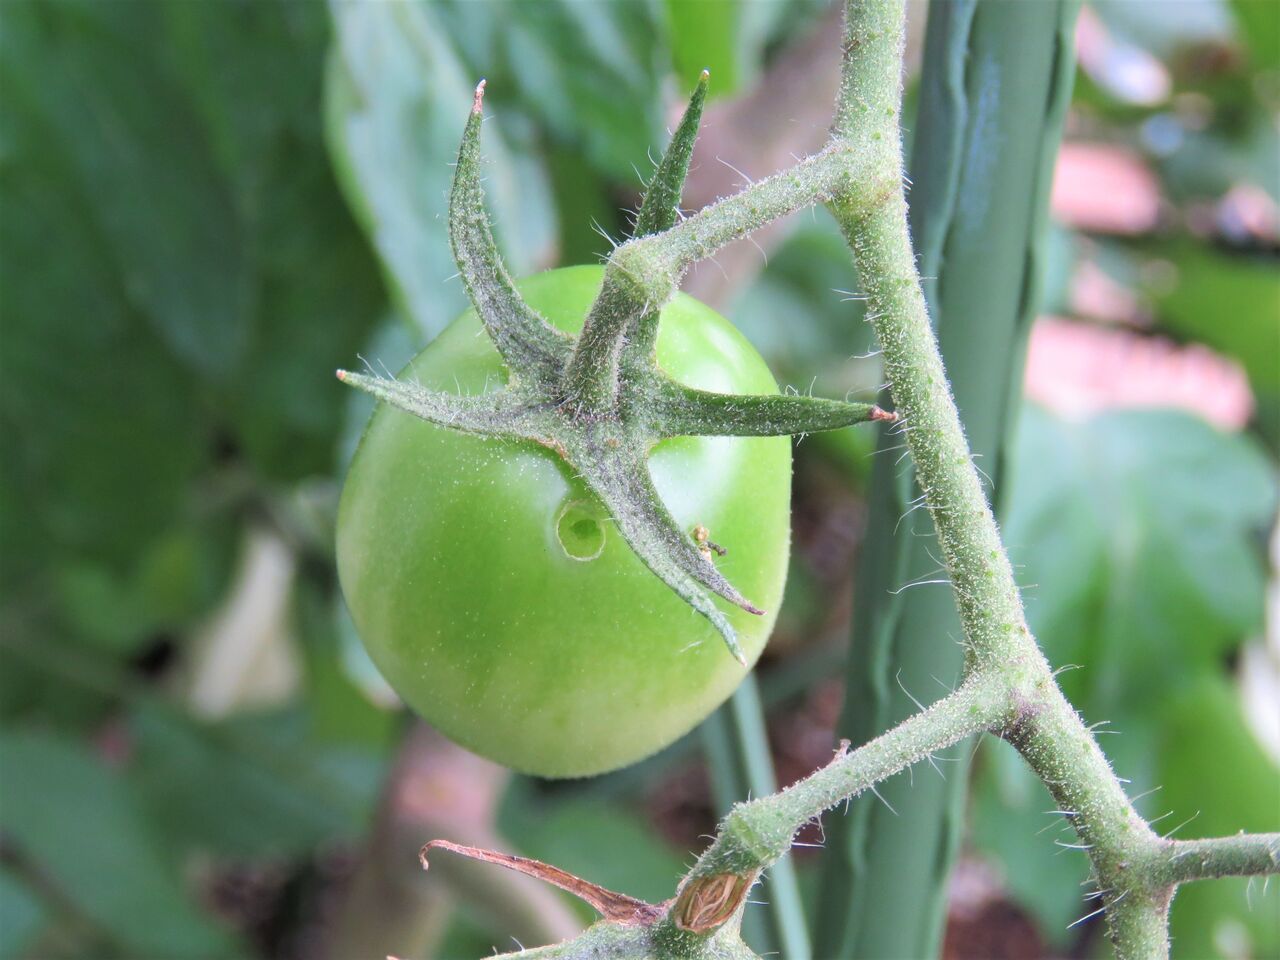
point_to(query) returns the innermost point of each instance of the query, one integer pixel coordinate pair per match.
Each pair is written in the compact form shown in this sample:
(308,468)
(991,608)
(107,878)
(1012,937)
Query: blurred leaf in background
(110,870)
(397,92)
(180,276)
(1137,537)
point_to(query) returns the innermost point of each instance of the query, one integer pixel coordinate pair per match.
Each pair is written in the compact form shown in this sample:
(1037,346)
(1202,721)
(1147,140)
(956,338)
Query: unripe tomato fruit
(502,604)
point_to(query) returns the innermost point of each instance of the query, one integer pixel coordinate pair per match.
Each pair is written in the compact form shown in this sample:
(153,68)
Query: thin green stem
(1054,741)
(1049,733)
(993,76)
(737,745)
(998,642)
(1244,855)
(643,273)
(1047,730)
(989,604)
(755,834)
(783,890)
(839,167)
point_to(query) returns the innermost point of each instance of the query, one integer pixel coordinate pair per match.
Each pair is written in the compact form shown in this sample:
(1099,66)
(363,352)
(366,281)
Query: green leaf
(253,786)
(255,77)
(705,36)
(397,96)
(592,72)
(1216,775)
(1137,529)
(81,826)
(111,123)
(101,414)
(173,581)
(1258,25)
(21,916)
(252,76)
(180,273)
(734,38)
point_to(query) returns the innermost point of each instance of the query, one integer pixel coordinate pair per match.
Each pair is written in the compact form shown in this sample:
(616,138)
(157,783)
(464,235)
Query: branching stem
(1008,688)
(643,273)
(757,833)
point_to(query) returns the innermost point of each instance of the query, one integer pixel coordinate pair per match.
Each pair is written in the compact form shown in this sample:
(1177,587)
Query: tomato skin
(452,558)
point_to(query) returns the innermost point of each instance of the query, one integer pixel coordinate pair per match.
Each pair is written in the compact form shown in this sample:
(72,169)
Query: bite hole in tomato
(580,530)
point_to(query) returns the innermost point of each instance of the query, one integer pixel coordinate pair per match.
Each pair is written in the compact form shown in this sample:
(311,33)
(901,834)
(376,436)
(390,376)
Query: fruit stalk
(993,94)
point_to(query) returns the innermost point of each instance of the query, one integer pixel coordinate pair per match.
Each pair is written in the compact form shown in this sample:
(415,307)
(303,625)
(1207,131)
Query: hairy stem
(996,73)
(1049,733)
(1047,730)
(1244,855)
(989,605)
(643,273)
(757,833)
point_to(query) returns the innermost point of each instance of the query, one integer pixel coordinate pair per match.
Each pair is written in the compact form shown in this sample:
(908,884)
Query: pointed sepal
(599,400)
(505,413)
(618,907)
(531,347)
(677,410)
(661,205)
(660,208)
(621,480)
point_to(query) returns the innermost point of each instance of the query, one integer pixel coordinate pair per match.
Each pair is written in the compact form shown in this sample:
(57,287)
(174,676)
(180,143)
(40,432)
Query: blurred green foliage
(180,276)
(1140,581)
(206,208)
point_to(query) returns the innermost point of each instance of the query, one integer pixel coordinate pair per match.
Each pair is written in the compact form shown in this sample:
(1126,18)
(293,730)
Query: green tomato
(501,603)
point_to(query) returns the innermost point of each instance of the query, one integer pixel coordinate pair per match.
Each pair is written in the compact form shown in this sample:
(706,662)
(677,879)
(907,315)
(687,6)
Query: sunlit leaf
(396,100)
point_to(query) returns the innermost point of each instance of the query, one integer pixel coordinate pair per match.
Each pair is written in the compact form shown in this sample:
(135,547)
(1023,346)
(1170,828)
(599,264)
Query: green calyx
(599,400)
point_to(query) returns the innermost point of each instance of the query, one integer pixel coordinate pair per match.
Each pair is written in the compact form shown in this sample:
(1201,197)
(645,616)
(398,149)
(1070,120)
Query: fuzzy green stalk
(643,273)
(1002,660)
(1047,731)
(993,95)
(737,748)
